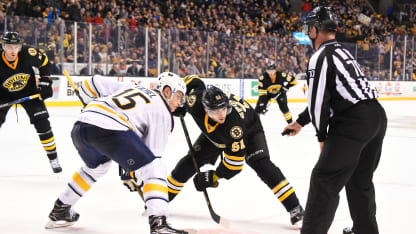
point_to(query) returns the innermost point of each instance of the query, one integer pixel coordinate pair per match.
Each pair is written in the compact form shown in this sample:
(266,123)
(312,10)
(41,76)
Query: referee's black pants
(349,158)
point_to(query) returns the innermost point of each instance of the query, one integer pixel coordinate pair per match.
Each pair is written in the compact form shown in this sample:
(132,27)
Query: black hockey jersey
(231,136)
(270,87)
(18,78)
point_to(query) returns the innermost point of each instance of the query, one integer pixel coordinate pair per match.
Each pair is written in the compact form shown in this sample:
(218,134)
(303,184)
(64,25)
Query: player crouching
(128,124)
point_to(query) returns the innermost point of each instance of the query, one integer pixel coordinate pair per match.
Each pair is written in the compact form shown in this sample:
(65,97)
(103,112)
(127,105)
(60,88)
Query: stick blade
(225,223)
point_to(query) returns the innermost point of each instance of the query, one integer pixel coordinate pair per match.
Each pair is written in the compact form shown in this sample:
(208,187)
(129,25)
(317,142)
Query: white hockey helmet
(175,83)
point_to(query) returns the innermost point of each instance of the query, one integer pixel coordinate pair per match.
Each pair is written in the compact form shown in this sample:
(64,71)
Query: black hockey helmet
(11,38)
(323,18)
(271,67)
(214,98)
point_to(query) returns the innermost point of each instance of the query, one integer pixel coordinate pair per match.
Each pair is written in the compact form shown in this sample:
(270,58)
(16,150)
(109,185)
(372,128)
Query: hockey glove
(261,109)
(180,111)
(206,179)
(45,87)
(130,181)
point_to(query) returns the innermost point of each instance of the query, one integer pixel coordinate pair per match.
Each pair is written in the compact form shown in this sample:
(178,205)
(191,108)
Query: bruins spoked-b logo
(236,132)
(191,100)
(16,82)
(32,51)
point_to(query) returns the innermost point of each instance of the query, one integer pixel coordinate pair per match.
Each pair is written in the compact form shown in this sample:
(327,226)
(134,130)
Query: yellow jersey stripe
(48,140)
(287,194)
(231,167)
(81,182)
(279,186)
(89,88)
(155,187)
(45,62)
(112,112)
(188,80)
(287,114)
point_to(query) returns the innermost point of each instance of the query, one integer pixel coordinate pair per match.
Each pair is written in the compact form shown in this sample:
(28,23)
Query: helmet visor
(216,113)
(181,96)
(12,47)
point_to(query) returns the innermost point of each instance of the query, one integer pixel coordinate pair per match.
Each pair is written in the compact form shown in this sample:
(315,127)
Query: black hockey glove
(129,180)
(205,179)
(261,109)
(45,87)
(180,111)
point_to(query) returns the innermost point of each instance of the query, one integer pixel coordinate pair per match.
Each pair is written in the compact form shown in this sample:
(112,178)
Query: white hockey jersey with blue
(118,106)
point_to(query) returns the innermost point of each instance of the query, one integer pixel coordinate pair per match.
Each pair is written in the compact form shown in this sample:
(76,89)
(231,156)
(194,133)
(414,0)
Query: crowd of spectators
(212,38)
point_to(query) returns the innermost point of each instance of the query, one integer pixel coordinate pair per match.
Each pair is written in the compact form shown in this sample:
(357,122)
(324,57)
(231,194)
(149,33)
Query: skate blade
(58,224)
(191,231)
(298,224)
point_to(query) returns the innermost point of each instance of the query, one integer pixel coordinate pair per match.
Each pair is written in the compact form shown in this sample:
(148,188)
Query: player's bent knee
(42,125)
(184,170)
(99,171)
(152,170)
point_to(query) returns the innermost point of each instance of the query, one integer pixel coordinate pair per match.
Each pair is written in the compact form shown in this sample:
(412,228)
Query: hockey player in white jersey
(130,125)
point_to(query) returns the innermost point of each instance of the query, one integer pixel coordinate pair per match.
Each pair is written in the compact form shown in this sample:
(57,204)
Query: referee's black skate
(296,215)
(159,225)
(348,230)
(62,215)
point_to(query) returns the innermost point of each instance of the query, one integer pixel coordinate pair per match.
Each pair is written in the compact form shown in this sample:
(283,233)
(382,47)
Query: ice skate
(158,224)
(61,216)
(348,230)
(296,215)
(56,167)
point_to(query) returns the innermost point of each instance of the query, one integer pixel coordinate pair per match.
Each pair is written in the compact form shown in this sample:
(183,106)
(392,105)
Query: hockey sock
(288,117)
(286,195)
(174,187)
(155,194)
(44,130)
(48,142)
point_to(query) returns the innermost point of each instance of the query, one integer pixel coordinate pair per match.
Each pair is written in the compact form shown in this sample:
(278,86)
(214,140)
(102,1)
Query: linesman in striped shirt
(350,125)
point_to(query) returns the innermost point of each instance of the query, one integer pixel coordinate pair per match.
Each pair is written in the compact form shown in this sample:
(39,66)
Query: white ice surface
(28,188)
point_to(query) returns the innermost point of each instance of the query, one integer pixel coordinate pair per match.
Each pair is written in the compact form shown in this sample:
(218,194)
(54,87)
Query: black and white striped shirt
(335,83)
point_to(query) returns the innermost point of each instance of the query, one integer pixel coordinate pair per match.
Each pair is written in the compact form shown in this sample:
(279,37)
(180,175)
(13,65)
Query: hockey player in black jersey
(350,125)
(232,129)
(18,80)
(274,84)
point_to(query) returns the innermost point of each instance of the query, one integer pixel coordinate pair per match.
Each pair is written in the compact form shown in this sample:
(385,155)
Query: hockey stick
(270,102)
(20,100)
(73,85)
(215,217)
(75,88)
